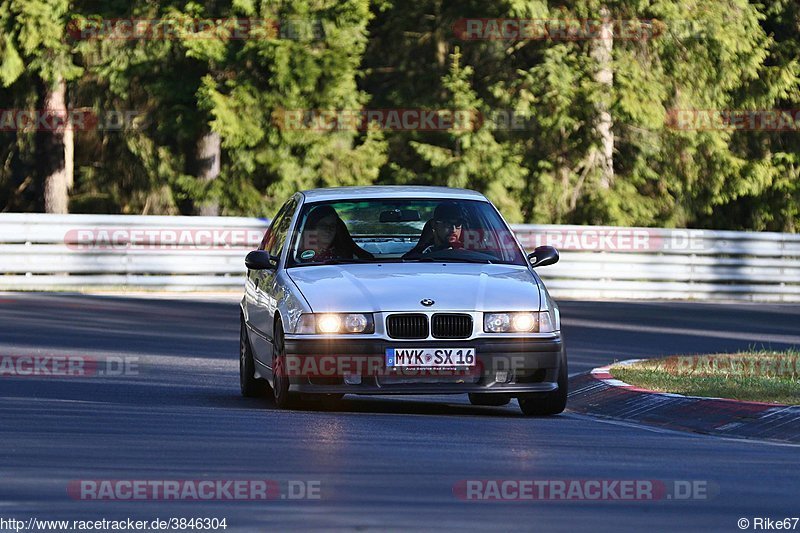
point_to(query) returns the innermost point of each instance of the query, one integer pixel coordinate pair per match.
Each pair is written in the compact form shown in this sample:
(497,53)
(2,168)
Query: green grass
(757,376)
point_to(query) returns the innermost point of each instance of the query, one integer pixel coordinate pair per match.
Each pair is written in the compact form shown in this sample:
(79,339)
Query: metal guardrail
(80,252)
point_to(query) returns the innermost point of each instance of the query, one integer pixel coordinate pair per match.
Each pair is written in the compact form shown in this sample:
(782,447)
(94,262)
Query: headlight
(356,323)
(331,323)
(523,322)
(517,322)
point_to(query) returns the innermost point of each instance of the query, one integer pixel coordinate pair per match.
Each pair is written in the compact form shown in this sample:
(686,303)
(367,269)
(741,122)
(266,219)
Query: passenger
(326,237)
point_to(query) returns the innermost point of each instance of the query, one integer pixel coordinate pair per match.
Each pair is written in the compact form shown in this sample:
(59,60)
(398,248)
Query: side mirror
(543,256)
(261,260)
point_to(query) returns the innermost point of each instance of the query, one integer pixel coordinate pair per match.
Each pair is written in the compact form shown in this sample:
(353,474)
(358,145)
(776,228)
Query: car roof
(390,191)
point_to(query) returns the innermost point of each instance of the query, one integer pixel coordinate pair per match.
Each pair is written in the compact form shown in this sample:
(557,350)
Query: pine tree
(34,53)
(470,156)
(308,72)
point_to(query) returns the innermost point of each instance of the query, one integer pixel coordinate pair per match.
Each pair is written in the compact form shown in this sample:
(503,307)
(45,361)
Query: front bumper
(513,365)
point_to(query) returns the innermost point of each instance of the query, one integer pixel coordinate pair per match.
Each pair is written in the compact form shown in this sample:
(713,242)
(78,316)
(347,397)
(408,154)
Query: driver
(448,228)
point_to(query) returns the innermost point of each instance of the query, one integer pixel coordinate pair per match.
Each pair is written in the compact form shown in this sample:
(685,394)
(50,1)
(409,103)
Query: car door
(262,287)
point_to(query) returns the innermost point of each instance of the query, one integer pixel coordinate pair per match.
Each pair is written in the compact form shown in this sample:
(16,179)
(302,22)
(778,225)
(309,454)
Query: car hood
(401,287)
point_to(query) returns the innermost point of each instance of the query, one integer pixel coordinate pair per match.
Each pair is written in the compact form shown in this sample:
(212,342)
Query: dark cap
(448,211)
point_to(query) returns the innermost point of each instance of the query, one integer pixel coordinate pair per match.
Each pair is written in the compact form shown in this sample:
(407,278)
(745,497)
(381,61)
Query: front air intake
(409,326)
(452,326)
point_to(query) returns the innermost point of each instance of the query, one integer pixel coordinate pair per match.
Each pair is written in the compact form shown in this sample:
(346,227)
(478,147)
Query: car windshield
(403,231)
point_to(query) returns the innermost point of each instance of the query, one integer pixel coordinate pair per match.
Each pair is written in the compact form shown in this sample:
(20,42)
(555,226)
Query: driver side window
(275,236)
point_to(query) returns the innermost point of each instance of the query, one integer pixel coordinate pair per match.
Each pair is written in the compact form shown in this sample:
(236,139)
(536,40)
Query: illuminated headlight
(523,322)
(517,323)
(331,323)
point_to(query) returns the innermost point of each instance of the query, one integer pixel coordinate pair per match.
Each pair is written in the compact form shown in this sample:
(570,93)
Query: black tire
(250,386)
(548,403)
(491,400)
(280,381)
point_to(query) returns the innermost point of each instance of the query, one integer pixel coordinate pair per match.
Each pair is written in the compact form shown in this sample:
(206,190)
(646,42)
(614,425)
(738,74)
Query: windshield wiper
(449,260)
(333,262)
(341,262)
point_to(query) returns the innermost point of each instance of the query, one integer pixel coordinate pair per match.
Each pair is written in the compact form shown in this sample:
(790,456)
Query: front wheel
(548,403)
(250,386)
(280,379)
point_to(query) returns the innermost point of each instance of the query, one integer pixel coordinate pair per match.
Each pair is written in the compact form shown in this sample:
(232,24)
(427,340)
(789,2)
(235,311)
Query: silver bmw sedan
(399,290)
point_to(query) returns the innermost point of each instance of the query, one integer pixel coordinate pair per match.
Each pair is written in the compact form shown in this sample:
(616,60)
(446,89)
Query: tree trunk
(208,163)
(601,52)
(440,38)
(55,150)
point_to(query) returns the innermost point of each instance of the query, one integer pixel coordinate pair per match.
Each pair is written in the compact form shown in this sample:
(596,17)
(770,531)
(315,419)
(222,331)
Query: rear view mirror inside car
(400,215)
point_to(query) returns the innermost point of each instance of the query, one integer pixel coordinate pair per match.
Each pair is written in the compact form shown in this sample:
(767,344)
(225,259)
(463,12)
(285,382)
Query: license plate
(429,357)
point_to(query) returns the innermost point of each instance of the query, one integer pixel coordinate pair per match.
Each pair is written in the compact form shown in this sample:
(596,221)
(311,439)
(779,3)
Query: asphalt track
(381,463)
